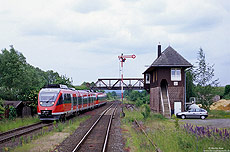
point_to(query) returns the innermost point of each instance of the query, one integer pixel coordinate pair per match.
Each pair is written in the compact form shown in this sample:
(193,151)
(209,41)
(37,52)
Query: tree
(111,95)
(140,97)
(227,92)
(204,74)
(54,78)
(114,94)
(190,86)
(84,86)
(22,81)
(12,73)
(51,76)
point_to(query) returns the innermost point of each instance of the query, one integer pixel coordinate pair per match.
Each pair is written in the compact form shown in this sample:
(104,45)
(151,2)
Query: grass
(125,101)
(135,140)
(6,124)
(168,138)
(218,114)
(28,145)
(68,127)
(167,135)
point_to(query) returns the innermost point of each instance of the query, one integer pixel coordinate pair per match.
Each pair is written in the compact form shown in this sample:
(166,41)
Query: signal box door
(177,107)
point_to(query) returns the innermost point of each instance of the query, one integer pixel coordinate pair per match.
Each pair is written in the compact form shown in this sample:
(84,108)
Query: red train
(58,101)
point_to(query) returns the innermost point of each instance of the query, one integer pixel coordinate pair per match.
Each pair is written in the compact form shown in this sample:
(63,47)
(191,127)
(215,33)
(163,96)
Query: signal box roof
(169,58)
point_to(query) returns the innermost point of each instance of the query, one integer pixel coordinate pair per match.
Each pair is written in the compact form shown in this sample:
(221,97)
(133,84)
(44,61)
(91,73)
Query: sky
(82,39)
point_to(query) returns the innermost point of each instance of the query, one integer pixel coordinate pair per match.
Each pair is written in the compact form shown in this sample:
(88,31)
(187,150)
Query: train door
(92,97)
(71,102)
(77,101)
(88,100)
(80,101)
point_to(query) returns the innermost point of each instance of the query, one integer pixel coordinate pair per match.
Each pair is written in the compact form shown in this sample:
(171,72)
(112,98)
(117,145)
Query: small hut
(21,108)
(165,81)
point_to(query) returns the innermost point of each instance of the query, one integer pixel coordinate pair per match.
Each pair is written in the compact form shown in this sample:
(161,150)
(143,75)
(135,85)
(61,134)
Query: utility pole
(122,59)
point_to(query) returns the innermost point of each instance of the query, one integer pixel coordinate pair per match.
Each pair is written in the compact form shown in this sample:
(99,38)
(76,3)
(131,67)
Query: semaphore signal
(122,59)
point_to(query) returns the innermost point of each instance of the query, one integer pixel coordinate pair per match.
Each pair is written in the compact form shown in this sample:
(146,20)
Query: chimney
(159,50)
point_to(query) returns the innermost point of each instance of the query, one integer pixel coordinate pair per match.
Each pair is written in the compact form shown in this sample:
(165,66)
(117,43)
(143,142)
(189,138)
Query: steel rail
(91,128)
(146,135)
(108,129)
(29,130)
(17,129)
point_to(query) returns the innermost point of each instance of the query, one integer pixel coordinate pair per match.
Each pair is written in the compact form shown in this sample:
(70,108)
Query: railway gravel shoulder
(116,141)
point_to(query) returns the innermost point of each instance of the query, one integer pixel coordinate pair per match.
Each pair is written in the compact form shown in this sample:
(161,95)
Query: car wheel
(183,117)
(202,117)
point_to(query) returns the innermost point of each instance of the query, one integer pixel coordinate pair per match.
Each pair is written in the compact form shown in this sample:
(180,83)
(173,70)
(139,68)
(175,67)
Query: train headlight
(40,102)
(52,102)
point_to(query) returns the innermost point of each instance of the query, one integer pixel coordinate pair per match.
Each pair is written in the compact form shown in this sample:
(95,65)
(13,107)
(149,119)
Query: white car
(193,113)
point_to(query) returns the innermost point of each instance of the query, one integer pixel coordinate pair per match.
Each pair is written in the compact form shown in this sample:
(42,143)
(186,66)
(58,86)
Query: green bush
(12,113)
(219,114)
(227,92)
(2,109)
(2,112)
(227,97)
(176,122)
(227,89)
(146,112)
(139,102)
(158,116)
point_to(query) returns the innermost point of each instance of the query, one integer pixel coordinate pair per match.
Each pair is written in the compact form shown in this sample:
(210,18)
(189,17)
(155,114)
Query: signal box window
(176,74)
(147,78)
(154,76)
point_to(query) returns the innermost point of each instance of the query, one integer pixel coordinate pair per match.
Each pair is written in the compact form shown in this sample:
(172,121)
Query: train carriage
(58,101)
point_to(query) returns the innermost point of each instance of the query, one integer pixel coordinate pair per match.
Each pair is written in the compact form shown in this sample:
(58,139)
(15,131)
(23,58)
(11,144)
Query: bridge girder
(115,84)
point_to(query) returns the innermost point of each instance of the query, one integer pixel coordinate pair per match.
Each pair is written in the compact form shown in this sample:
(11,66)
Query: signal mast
(122,59)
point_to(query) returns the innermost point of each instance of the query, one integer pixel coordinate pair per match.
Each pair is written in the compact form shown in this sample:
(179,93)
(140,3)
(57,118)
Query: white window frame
(175,74)
(147,78)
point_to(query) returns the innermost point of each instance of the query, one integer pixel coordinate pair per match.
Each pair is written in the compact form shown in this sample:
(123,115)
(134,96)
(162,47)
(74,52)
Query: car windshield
(48,96)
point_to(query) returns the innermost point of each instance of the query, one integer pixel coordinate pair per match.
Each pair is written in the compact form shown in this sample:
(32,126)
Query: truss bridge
(115,84)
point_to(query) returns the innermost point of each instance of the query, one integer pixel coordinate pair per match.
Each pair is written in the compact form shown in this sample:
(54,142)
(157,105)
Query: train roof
(60,87)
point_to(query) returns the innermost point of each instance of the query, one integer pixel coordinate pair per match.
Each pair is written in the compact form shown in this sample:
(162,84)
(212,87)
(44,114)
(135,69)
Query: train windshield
(47,98)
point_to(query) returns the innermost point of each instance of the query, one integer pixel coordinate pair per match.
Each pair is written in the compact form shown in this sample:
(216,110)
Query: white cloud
(82,38)
(89,6)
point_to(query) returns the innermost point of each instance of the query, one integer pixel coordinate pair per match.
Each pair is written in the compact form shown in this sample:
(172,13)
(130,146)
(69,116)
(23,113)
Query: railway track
(146,135)
(12,134)
(142,130)
(96,138)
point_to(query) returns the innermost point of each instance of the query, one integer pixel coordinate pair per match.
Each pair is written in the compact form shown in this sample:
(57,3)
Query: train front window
(47,98)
